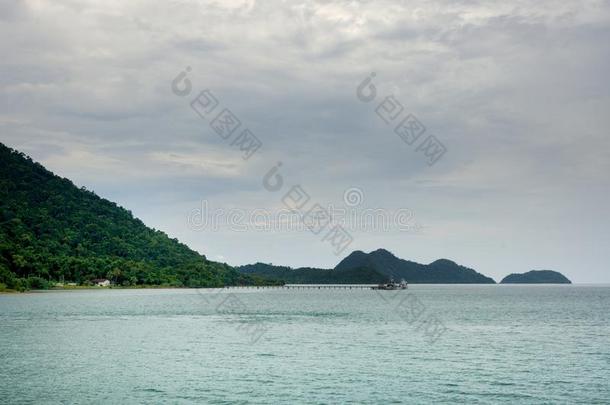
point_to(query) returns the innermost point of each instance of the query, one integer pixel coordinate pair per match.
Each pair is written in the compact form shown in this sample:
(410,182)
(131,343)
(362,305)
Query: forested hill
(51,230)
(374,267)
(308,275)
(439,271)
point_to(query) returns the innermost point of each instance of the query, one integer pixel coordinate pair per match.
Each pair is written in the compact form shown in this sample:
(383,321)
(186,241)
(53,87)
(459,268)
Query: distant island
(536,277)
(374,267)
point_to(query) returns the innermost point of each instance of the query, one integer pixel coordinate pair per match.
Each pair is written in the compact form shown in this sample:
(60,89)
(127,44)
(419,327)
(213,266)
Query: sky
(515,93)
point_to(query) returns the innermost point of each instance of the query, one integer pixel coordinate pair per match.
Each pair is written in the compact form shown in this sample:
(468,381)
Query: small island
(536,277)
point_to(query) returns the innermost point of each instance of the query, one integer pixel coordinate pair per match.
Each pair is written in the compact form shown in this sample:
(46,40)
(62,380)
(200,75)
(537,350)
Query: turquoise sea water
(430,343)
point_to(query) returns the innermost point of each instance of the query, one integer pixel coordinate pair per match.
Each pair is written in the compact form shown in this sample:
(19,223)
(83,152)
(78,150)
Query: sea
(473,344)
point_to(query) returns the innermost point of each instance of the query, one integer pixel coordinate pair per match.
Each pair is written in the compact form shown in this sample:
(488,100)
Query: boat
(391,286)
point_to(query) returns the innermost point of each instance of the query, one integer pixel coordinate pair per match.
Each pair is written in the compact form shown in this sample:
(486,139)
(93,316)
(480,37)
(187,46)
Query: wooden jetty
(305,287)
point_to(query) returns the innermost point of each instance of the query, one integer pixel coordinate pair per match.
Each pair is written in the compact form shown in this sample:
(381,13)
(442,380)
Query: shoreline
(166,287)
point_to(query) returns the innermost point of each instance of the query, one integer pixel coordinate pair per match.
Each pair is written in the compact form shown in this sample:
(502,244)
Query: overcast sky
(517,92)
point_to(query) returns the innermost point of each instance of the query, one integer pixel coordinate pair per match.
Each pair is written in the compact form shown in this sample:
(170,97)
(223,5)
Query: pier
(305,287)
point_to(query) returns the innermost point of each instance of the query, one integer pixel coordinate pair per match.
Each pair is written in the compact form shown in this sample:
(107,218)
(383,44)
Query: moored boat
(392,286)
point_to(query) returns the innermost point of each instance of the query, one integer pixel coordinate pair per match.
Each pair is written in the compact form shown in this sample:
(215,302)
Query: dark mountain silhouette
(439,271)
(536,277)
(374,267)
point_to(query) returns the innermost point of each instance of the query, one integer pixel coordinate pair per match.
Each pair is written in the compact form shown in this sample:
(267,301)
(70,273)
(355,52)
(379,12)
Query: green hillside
(308,275)
(51,230)
(441,271)
(378,266)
